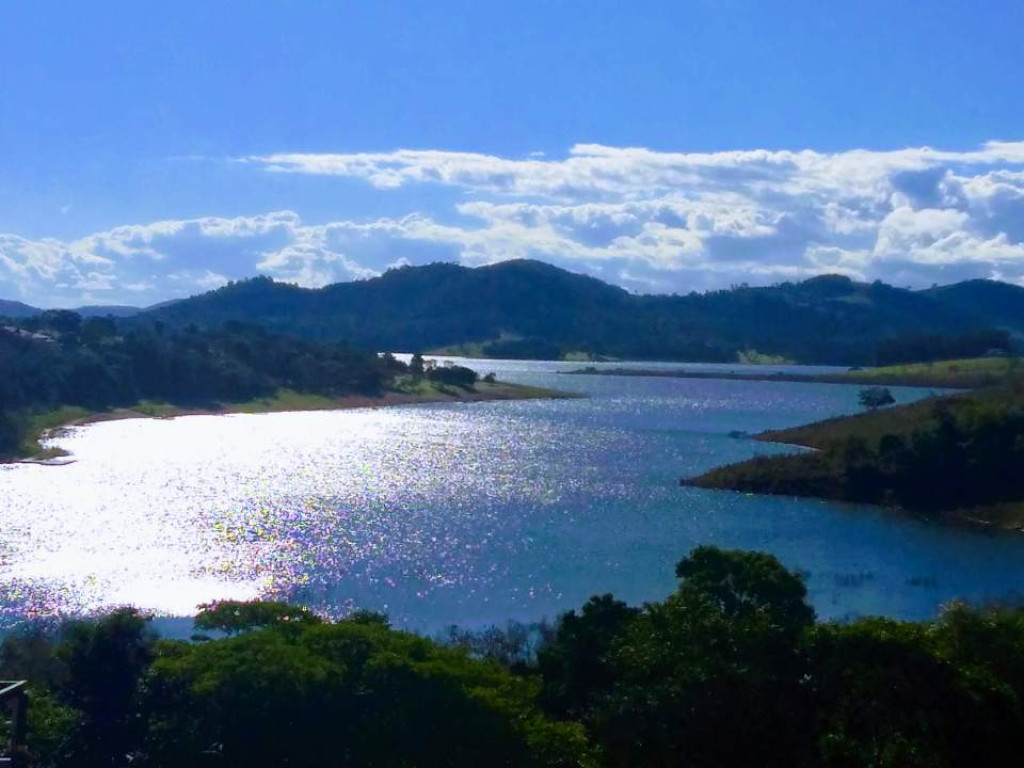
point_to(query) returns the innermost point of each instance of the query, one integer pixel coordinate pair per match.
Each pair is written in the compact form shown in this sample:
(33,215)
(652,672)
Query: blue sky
(149,151)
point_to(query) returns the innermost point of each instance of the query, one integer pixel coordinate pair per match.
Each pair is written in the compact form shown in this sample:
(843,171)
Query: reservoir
(465,514)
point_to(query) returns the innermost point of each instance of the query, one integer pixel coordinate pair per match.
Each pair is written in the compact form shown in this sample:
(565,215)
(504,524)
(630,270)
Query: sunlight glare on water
(463,513)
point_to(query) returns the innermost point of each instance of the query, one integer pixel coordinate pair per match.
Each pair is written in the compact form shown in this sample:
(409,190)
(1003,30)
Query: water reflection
(458,513)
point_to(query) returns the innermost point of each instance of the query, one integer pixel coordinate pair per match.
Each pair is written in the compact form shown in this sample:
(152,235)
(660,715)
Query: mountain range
(528,308)
(19,309)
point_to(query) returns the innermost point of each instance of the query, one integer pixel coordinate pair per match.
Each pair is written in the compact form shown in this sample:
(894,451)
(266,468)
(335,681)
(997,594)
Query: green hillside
(531,309)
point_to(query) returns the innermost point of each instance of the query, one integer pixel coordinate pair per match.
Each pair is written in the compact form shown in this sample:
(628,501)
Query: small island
(62,370)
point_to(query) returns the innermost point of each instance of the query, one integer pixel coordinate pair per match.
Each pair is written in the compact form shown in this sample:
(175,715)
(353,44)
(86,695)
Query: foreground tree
(729,670)
(712,676)
(354,693)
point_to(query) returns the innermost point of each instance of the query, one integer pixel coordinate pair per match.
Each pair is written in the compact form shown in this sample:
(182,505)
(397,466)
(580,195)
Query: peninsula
(952,458)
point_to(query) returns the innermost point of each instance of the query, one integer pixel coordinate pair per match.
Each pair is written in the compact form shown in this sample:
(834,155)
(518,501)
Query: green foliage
(576,665)
(296,692)
(91,365)
(530,309)
(105,662)
(970,373)
(712,675)
(729,670)
(947,456)
(926,347)
(352,693)
(942,694)
(234,616)
(747,586)
(875,397)
(452,375)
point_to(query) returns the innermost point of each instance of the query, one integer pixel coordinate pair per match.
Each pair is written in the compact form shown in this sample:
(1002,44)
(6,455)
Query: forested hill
(16,309)
(58,359)
(531,309)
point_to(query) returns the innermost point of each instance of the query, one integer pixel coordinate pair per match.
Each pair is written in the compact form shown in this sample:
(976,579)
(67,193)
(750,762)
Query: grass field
(871,426)
(969,374)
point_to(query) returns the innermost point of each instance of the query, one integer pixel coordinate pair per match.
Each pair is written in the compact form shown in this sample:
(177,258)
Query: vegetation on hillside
(58,366)
(925,348)
(531,309)
(955,457)
(730,670)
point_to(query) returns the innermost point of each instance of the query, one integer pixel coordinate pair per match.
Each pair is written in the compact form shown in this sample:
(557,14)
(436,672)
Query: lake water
(462,513)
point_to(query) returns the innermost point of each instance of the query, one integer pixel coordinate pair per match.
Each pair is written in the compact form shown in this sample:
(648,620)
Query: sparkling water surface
(462,513)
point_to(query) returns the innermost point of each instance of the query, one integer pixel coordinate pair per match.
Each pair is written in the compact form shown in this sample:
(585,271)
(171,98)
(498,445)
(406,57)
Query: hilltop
(529,309)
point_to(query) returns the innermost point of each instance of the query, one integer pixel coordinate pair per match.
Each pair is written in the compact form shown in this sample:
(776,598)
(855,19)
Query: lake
(462,513)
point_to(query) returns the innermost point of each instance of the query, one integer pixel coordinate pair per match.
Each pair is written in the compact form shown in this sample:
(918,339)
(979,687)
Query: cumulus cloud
(645,219)
(915,215)
(150,262)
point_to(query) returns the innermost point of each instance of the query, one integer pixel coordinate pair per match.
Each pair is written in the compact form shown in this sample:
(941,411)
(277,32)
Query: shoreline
(974,373)
(792,378)
(803,474)
(284,401)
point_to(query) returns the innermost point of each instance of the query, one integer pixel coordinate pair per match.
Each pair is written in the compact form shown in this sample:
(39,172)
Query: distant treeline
(732,669)
(58,358)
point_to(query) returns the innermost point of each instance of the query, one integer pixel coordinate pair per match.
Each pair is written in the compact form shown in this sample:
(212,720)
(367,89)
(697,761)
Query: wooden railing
(15,701)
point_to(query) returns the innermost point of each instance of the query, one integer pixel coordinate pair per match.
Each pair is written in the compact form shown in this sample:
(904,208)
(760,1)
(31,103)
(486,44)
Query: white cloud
(645,219)
(761,213)
(149,262)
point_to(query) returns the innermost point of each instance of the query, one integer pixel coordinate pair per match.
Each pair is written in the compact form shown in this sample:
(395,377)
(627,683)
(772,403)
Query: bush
(876,397)
(453,375)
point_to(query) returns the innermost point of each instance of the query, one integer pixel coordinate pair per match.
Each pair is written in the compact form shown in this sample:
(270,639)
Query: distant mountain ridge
(19,309)
(16,309)
(531,309)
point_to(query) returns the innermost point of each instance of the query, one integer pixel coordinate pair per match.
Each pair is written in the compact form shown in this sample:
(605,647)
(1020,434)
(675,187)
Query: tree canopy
(731,669)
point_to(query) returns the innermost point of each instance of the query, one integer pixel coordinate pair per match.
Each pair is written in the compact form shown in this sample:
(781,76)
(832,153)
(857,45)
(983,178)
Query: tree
(353,693)
(876,397)
(453,375)
(105,662)
(416,367)
(576,666)
(235,616)
(713,675)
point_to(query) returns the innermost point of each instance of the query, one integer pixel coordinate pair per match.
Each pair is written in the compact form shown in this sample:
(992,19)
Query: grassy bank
(405,391)
(966,374)
(954,458)
(949,374)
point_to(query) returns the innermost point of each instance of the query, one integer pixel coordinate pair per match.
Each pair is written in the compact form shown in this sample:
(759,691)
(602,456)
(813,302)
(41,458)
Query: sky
(150,151)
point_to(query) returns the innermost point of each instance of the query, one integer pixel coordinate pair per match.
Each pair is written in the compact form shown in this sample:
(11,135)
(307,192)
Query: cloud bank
(648,220)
